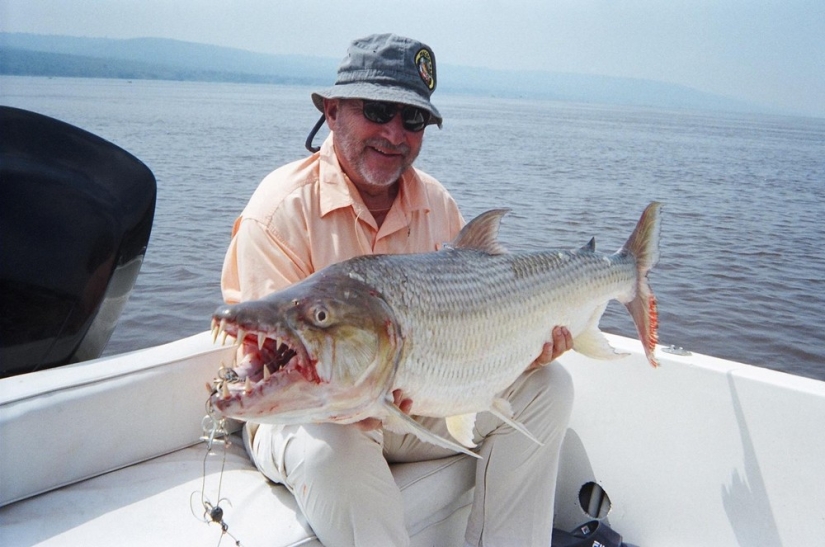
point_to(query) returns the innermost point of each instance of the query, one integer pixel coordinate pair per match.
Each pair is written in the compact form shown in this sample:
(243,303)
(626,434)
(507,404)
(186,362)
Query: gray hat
(385,67)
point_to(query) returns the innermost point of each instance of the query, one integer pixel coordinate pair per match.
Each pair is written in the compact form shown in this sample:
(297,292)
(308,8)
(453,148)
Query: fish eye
(320,315)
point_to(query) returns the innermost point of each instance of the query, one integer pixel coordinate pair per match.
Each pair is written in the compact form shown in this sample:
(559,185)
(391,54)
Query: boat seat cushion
(159,502)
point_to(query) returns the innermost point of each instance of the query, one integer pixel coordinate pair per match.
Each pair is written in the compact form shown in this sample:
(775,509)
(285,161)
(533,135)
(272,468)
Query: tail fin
(643,244)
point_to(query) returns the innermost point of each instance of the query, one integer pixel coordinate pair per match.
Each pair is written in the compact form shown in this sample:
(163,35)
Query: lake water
(742,273)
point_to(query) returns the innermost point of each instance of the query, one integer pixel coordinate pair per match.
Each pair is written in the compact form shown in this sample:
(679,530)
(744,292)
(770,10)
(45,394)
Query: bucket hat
(384,67)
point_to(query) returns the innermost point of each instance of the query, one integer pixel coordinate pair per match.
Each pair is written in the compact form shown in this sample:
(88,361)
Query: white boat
(701,451)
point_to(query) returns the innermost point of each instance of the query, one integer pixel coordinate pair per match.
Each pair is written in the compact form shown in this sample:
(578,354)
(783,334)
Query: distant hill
(164,59)
(154,58)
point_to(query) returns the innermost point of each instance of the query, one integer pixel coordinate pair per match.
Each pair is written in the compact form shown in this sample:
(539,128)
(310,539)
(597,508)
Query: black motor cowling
(76,212)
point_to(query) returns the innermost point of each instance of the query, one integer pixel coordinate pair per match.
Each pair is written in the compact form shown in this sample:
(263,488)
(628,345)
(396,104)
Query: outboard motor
(76,212)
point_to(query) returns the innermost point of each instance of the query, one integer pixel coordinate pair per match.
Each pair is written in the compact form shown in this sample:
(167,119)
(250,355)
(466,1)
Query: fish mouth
(269,359)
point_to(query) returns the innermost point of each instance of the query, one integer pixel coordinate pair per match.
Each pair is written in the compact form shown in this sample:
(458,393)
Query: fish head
(324,349)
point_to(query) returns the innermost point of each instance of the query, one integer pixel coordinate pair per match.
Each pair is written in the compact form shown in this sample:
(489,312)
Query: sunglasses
(412,118)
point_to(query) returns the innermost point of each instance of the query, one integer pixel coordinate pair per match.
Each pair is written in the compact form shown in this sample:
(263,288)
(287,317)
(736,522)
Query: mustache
(387,146)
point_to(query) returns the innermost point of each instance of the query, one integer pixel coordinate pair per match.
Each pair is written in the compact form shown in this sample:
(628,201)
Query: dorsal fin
(481,233)
(589,247)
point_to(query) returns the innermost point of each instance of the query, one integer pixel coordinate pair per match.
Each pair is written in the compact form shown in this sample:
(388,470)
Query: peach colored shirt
(307,215)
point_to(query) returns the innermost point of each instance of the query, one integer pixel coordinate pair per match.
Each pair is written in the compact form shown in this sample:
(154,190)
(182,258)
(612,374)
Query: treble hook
(214,431)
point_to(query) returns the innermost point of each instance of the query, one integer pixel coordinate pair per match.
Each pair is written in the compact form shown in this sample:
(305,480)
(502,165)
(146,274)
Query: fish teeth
(215,330)
(240,337)
(267,374)
(261,340)
(225,391)
(247,387)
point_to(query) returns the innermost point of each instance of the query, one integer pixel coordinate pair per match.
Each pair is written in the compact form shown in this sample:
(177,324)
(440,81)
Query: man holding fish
(360,195)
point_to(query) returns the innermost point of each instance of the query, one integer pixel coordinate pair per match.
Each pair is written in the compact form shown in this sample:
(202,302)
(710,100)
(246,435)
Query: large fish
(451,329)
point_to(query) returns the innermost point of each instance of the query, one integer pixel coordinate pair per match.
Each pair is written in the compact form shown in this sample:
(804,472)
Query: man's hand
(398,400)
(560,342)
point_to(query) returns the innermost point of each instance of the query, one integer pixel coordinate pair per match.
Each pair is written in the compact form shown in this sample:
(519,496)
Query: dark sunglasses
(412,118)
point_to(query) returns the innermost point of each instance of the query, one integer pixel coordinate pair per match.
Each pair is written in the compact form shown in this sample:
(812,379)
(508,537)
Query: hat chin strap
(312,134)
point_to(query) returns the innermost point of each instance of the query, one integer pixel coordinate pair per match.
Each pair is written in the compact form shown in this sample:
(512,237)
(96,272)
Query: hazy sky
(770,52)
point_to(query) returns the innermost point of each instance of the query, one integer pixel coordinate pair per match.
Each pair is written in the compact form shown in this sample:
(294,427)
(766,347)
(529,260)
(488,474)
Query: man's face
(373,155)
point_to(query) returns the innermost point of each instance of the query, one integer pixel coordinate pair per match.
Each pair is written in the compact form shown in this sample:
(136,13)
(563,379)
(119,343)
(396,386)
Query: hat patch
(424,61)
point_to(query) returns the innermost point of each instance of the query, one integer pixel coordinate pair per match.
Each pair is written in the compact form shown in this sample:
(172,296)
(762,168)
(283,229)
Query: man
(359,194)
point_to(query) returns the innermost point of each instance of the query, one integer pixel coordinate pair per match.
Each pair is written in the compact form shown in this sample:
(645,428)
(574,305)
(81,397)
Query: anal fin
(592,343)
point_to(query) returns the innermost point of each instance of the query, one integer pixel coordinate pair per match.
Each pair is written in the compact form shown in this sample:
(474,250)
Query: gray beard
(354,151)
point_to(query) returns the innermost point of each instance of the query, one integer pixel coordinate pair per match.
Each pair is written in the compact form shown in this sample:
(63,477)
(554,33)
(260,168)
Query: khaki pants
(341,479)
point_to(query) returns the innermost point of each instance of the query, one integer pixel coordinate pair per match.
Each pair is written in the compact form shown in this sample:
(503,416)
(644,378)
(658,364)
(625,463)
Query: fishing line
(214,432)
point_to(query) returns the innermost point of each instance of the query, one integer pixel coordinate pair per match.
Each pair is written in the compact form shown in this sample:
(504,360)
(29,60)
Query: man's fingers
(404,404)
(369,424)
(560,341)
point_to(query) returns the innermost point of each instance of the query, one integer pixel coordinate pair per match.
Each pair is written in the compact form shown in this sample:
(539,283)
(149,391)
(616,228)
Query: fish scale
(486,302)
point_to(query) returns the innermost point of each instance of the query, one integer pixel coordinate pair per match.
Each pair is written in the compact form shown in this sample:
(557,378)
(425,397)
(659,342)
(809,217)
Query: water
(742,274)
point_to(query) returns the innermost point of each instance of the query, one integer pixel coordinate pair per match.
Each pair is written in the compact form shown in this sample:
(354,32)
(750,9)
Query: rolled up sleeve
(257,264)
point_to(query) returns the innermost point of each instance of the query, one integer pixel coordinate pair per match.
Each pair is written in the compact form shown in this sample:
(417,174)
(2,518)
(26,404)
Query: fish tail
(643,244)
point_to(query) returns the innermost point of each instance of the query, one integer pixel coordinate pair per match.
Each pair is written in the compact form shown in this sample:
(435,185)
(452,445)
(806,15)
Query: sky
(767,52)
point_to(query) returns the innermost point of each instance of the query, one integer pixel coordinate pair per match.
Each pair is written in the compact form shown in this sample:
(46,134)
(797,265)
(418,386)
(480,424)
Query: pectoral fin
(397,421)
(461,428)
(502,410)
